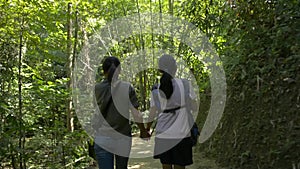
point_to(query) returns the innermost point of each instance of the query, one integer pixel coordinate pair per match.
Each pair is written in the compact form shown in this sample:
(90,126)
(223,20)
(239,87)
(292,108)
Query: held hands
(145,135)
(144,132)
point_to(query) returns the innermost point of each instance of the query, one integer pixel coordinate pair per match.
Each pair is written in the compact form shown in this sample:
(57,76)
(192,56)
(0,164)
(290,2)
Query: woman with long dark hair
(173,144)
(115,100)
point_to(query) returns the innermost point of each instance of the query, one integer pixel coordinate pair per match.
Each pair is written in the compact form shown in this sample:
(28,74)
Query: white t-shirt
(172,125)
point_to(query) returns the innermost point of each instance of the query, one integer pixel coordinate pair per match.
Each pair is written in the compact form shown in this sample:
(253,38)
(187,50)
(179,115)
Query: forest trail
(144,149)
(200,161)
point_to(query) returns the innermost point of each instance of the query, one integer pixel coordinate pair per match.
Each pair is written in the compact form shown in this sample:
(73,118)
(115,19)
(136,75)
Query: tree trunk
(142,75)
(70,113)
(171,43)
(152,79)
(75,42)
(20,114)
(161,37)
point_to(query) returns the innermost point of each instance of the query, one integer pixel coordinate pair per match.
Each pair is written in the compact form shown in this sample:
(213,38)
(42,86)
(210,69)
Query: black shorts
(181,154)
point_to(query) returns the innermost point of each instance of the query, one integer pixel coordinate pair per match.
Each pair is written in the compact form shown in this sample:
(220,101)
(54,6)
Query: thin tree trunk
(70,113)
(206,19)
(75,42)
(161,37)
(171,43)
(153,78)
(20,115)
(143,81)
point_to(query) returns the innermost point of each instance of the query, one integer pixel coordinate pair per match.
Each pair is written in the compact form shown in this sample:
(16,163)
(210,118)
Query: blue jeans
(105,158)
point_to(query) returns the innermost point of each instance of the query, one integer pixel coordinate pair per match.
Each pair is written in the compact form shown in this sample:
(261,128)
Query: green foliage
(260,50)
(258,42)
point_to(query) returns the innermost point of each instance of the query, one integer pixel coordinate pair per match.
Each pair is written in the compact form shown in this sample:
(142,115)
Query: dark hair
(109,66)
(167,65)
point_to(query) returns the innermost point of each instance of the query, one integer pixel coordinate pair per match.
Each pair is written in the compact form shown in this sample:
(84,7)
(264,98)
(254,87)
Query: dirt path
(147,162)
(141,157)
(200,162)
